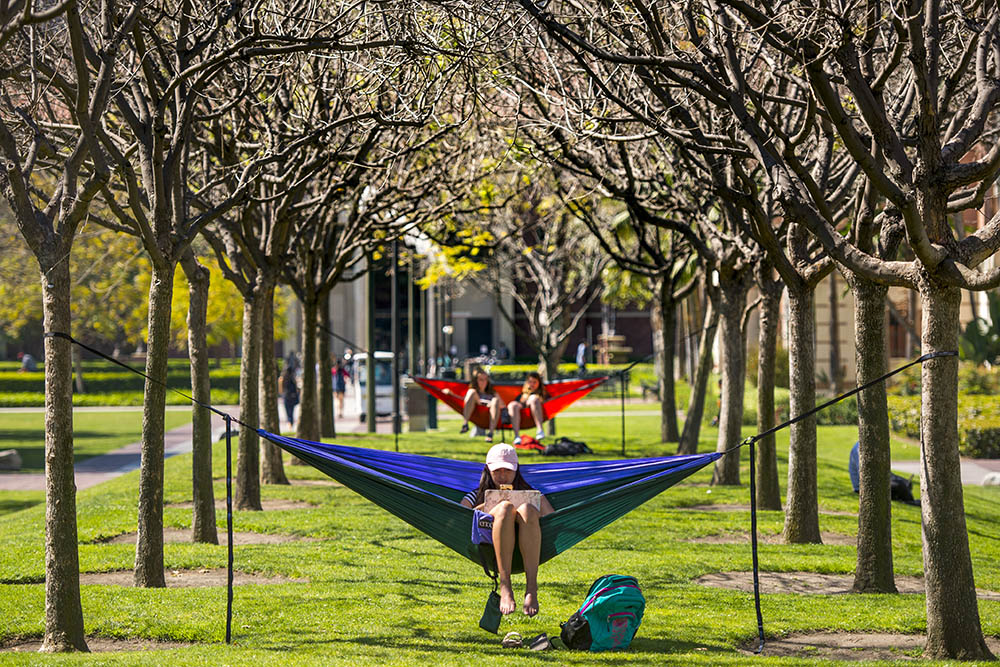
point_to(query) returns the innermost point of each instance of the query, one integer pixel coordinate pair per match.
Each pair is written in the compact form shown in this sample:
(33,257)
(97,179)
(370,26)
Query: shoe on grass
(540,433)
(517,440)
(465,428)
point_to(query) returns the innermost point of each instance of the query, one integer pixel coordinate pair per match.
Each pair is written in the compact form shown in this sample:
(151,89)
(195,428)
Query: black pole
(229,527)
(621,381)
(394,295)
(411,321)
(370,391)
(753,548)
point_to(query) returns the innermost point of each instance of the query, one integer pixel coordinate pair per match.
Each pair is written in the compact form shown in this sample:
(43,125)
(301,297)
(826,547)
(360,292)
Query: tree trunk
(953,627)
(63,610)
(802,506)
(248,456)
(548,366)
(699,384)
(768,488)
(326,428)
(835,380)
(78,369)
(272,466)
(308,423)
(665,313)
(873,573)
(149,543)
(732,302)
(203,519)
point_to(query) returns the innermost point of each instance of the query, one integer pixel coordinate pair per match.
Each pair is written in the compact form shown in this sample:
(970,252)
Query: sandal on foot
(465,428)
(512,640)
(489,439)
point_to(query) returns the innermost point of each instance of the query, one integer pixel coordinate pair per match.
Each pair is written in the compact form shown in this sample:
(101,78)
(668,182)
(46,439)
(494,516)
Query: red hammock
(562,393)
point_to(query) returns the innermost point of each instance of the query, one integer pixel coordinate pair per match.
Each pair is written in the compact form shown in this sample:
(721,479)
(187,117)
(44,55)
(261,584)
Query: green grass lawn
(94,433)
(380,592)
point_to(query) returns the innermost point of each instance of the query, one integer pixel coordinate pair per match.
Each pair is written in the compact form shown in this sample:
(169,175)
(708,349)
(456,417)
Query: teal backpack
(609,616)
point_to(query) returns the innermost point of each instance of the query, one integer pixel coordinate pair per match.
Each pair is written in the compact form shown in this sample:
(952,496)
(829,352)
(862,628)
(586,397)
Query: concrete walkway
(98,469)
(973,470)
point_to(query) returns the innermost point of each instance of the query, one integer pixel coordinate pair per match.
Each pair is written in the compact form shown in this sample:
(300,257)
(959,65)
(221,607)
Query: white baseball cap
(501,456)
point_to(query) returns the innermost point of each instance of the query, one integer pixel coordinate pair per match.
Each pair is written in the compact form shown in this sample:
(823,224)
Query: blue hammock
(425,491)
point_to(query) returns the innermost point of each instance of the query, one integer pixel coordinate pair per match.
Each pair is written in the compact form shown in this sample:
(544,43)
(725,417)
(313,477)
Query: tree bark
(732,302)
(308,422)
(835,379)
(63,610)
(272,465)
(149,543)
(78,370)
(248,456)
(768,488)
(665,313)
(874,572)
(953,627)
(699,386)
(203,510)
(326,428)
(802,506)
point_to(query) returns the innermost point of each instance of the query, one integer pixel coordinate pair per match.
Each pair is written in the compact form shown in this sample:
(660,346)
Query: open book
(494,497)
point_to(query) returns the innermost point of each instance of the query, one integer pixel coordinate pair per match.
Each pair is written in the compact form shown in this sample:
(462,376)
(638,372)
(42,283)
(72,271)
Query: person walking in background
(340,378)
(289,389)
(503,354)
(581,357)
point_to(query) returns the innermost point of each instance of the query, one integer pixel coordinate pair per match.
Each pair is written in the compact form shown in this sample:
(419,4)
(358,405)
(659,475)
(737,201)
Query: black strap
(753,488)
(484,559)
(341,338)
(793,420)
(66,336)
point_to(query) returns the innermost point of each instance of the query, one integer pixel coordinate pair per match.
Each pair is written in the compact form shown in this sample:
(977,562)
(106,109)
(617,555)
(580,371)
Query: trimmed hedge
(120,398)
(978,422)
(107,384)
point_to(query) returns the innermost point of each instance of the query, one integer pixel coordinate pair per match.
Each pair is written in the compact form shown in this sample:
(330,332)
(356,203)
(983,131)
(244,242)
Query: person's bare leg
(495,407)
(471,399)
(504,519)
(514,408)
(535,405)
(529,539)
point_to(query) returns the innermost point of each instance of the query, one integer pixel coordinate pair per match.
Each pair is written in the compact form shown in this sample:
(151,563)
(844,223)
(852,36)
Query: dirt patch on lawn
(268,505)
(315,482)
(96,645)
(734,507)
(848,646)
(201,578)
(184,536)
(810,583)
(296,482)
(743,537)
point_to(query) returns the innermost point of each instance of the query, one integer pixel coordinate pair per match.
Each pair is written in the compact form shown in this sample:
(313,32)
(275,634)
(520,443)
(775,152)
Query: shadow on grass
(11,505)
(484,643)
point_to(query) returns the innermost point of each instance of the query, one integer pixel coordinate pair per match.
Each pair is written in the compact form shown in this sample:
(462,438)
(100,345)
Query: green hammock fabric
(424,491)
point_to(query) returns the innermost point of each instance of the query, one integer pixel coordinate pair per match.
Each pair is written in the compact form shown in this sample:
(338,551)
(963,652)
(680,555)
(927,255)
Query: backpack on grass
(609,616)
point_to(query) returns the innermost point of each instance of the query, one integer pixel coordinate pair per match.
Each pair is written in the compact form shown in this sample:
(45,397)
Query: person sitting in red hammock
(481,392)
(532,395)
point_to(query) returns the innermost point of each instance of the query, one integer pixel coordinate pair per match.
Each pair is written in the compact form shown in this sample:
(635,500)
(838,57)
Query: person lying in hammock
(481,392)
(532,395)
(511,525)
